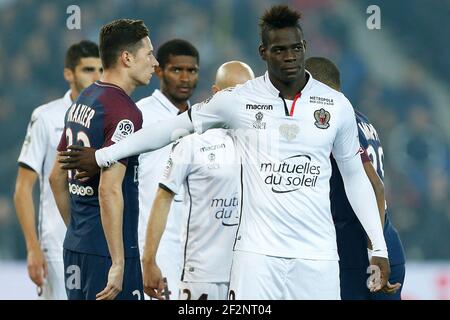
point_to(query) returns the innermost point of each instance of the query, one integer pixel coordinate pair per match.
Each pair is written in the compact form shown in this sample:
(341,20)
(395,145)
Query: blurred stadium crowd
(408,117)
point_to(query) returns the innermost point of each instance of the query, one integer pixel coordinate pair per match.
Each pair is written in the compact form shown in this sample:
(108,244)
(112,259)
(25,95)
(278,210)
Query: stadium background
(398,75)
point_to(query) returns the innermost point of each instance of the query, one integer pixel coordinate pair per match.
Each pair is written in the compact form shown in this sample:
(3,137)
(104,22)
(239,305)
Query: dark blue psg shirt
(351,237)
(102,115)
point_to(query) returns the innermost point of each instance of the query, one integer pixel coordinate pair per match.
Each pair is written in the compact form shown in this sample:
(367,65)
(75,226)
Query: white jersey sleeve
(357,185)
(34,147)
(216,112)
(147,139)
(178,166)
(346,145)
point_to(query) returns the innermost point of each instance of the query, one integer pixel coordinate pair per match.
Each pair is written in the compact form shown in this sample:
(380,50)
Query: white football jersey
(156,108)
(39,153)
(207,167)
(285,149)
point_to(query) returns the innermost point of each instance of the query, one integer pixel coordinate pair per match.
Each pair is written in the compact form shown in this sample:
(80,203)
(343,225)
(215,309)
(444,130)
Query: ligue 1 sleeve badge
(322,117)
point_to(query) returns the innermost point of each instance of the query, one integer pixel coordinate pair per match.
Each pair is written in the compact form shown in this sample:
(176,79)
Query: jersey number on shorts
(204,296)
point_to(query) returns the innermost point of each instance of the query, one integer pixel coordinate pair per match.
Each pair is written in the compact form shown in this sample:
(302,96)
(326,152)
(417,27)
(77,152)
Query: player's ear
(304,45)
(262,51)
(159,72)
(126,57)
(68,75)
(215,89)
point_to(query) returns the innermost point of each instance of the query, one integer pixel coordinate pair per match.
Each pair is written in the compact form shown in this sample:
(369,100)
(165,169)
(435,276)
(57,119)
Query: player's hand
(114,285)
(153,281)
(80,158)
(37,266)
(380,272)
(391,288)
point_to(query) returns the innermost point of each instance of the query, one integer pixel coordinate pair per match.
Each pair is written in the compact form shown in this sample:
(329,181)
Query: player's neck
(73,93)
(181,105)
(289,89)
(118,79)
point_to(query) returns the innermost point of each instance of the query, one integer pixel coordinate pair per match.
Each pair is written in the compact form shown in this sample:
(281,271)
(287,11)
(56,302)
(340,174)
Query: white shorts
(260,277)
(203,290)
(54,287)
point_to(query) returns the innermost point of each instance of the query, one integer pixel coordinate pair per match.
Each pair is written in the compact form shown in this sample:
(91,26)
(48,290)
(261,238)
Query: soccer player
(351,238)
(101,254)
(205,166)
(286,126)
(178,76)
(82,67)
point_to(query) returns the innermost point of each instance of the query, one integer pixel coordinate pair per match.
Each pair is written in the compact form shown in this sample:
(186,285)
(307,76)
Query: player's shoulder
(188,140)
(330,99)
(361,117)
(114,99)
(145,102)
(321,90)
(252,87)
(49,109)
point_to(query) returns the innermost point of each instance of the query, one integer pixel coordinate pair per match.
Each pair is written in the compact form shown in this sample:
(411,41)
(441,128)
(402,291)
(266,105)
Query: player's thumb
(161,285)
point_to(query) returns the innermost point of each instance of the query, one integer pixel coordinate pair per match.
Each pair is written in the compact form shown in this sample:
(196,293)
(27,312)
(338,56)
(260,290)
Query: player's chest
(302,123)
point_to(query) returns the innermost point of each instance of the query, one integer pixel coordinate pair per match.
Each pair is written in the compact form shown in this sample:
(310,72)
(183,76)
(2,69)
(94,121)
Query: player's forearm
(378,188)
(23,201)
(59,186)
(111,212)
(362,199)
(156,224)
(147,139)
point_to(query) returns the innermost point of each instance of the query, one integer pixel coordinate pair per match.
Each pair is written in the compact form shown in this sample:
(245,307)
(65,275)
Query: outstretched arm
(217,112)
(145,140)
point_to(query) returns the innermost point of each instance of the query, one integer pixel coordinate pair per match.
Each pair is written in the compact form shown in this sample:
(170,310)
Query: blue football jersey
(102,115)
(351,237)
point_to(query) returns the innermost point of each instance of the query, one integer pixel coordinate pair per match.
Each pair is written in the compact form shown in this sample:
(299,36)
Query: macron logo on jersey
(124,128)
(259,106)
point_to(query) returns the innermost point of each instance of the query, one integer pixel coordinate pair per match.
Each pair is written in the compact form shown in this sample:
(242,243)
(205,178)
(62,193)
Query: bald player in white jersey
(206,168)
(44,250)
(286,125)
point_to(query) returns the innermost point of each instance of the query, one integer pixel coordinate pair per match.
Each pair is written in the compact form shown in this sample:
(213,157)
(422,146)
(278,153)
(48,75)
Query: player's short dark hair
(278,17)
(175,47)
(325,71)
(120,35)
(82,49)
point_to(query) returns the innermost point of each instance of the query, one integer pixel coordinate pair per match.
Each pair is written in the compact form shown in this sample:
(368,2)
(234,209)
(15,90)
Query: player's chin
(146,81)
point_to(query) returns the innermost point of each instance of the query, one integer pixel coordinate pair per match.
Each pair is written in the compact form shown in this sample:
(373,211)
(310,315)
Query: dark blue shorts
(354,284)
(86,275)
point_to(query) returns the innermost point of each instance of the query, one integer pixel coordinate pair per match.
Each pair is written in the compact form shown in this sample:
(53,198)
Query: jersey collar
(67,99)
(274,91)
(158,95)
